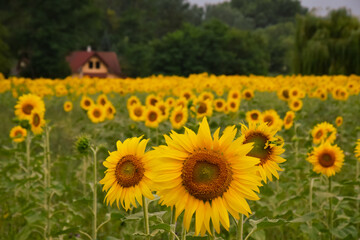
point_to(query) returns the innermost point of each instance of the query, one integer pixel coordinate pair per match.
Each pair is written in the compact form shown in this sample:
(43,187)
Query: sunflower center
(296,104)
(235,96)
(254,116)
(129,171)
(219,104)
(18,134)
(259,150)
(178,117)
(326,160)
(269,120)
(153,101)
(152,116)
(87,103)
(285,94)
(318,134)
(232,105)
(202,108)
(110,111)
(138,112)
(288,120)
(102,102)
(133,102)
(248,95)
(96,113)
(206,175)
(36,120)
(187,96)
(163,110)
(27,108)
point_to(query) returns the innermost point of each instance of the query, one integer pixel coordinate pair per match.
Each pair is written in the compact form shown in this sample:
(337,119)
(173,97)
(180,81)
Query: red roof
(78,58)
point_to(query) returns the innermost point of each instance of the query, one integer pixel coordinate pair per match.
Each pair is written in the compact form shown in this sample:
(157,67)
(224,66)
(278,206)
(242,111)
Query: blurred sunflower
(68,106)
(96,113)
(253,116)
(357,150)
(110,110)
(86,102)
(272,119)
(151,100)
(37,121)
(234,94)
(205,175)
(326,159)
(219,105)
(187,94)
(137,113)
(295,104)
(26,104)
(233,105)
(126,178)
(102,100)
(132,101)
(164,109)
(284,94)
(267,148)
(339,121)
(203,108)
(323,132)
(152,117)
(18,134)
(206,96)
(178,117)
(289,119)
(170,101)
(182,102)
(248,94)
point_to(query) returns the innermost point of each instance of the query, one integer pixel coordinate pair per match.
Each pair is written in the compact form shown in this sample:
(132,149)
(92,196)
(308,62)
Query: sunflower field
(169,157)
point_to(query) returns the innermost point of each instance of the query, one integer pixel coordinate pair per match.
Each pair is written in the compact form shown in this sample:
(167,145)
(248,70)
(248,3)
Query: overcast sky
(322,6)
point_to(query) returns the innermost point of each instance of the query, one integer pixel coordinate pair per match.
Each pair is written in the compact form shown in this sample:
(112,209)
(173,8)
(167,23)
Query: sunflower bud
(82,144)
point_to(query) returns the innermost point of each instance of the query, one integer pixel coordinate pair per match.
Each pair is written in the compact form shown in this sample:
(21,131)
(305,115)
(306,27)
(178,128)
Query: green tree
(327,45)
(5,55)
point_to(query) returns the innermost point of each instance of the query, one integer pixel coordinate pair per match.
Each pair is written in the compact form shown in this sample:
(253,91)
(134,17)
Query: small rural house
(94,64)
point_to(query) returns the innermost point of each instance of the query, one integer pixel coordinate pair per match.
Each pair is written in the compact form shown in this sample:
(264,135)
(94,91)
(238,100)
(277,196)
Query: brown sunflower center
(110,110)
(163,109)
(219,104)
(178,117)
(187,96)
(296,104)
(254,116)
(206,175)
(202,108)
(102,101)
(87,103)
(235,95)
(285,94)
(259,150)
(96,113)
(152,116)
(248,95)
(18,133)
(318,134)
(288,120)
(153,101)
(232,105)
(27,108)
(138,112)
(326,160)
(269,120)
(133,102)
(36,120)
(129,171)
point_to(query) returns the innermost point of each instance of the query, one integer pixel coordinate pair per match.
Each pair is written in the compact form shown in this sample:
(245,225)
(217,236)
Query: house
(94,64)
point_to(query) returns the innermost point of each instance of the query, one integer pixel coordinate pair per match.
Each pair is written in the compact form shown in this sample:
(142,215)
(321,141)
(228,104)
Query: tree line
(173,37)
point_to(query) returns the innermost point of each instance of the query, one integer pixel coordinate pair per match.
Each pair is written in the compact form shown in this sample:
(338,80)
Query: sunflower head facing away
(126,178)
(18,134)
(326,159)
(267,147)
(26,104)
(206,176)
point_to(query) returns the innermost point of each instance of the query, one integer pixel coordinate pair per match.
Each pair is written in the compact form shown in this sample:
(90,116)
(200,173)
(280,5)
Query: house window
(97,64)
(91,65)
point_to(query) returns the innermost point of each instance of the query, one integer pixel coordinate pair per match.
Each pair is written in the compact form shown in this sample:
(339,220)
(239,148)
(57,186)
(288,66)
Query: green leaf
(69,230)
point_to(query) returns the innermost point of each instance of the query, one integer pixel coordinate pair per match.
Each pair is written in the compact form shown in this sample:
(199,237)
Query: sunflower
(206,96)
(253,116)
(110,110)
(233,105)
(284,94)
(339,121)
(36,122)
(68,106)
(203,108)
(86,102)
(234,95)
(272,119)
(187,94)
(126,178)
(267,147)
(182,102)
(323,132)
(164,109)
(26,104)
(170,101)
(152,117)
(178,117)
(295,104)
(248,94)
(132,101)
(151,100)
(102,100)
(18,134)
(326,159)
(219,104)
(136,113)
(205,175)
(357,150)
(96,113)
(289,119)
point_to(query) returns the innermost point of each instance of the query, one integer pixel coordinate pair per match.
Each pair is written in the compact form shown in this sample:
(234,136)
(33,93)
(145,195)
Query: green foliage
(329,45)
(213,48)
(5,55)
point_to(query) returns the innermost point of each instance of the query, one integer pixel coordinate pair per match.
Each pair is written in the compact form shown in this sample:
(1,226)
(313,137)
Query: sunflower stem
(28,143)
(310,196)
(48,171)
(84,168)
(183,232)
(212,237)
(146,217)
(240,228)
(330,210)
(172,223)
(94,229)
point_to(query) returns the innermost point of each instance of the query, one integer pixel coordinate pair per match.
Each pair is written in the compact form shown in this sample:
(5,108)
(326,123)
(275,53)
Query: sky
(321,6)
